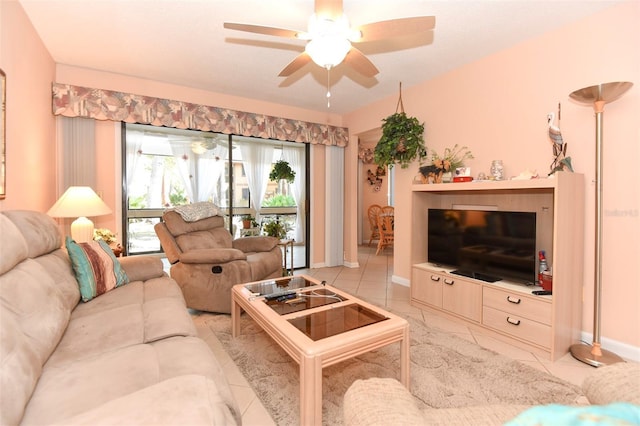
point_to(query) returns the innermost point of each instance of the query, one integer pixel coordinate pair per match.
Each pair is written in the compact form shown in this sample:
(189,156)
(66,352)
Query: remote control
(541,292)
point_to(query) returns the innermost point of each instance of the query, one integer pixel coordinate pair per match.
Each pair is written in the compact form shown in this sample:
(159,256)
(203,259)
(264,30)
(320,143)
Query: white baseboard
(351,264)
(318,265)
(624,350)
(400,280)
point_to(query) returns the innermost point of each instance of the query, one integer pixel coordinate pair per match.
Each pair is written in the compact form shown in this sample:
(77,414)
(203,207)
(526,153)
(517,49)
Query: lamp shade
(79,201)
(329,40)
(328,51)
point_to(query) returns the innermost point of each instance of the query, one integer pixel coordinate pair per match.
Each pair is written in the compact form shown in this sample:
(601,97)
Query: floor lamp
(597,96)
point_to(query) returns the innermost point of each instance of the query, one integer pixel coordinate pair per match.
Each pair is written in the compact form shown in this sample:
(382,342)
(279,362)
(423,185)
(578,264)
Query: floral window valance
(99,104)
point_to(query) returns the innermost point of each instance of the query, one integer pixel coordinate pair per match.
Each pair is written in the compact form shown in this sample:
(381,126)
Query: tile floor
(372,282)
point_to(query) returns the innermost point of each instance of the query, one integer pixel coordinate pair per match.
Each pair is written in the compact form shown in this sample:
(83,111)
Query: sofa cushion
(185,400)
(14,247)
(617,414)
(212,256)
(68,390)
(611,384)
(33,315)
(211,238)
(129,315)
(177,226)
(40,231)
(96,267)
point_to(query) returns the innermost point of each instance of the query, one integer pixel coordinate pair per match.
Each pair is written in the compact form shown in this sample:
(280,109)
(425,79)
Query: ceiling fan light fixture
(328,51)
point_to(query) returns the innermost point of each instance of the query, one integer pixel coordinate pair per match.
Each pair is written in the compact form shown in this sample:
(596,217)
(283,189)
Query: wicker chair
(385,228)
(373,212)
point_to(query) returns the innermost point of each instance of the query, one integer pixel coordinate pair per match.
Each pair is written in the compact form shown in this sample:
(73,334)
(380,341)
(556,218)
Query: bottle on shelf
(543,267)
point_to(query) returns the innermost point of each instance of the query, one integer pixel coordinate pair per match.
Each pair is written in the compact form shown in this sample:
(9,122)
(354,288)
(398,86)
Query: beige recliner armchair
(206,262)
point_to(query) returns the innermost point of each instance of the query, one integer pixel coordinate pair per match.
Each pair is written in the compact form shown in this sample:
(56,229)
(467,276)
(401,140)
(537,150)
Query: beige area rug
(446,371)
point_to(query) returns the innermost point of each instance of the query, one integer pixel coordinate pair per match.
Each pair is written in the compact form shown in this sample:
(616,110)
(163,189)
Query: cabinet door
(462,297)
(426,287)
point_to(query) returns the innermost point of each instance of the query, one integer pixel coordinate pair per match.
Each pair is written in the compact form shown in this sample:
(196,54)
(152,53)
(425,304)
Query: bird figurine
(560,160)
(554,131)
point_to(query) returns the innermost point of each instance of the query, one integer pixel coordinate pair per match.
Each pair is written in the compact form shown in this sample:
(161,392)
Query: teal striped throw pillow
(96,268)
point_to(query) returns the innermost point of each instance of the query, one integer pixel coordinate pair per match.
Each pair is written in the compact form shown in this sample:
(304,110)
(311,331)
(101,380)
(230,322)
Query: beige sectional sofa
(384,401)
(128,356)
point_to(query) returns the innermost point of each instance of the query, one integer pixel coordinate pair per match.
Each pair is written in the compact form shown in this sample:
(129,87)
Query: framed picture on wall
(3,133)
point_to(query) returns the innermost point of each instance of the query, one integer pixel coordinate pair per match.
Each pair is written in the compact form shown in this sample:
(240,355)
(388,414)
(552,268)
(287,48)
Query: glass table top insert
(331,322)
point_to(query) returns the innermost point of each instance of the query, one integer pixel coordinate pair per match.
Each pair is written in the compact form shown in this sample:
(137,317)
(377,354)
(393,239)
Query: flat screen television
(486,245)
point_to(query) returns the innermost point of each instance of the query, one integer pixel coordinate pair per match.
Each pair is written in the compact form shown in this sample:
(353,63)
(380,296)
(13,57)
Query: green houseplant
(282,170)
(247,221)
(274,228)
(402,139)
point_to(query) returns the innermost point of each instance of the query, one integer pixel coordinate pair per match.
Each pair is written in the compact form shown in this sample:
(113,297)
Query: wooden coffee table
(318,325)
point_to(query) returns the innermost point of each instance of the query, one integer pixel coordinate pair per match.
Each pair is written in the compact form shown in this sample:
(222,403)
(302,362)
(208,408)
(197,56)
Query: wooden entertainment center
(546,325)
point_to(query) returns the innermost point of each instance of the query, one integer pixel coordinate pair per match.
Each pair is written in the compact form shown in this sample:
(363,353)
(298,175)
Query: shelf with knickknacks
(451,161)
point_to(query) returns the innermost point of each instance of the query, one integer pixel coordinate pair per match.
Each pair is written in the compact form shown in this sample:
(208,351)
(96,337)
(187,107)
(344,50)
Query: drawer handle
(435,278)
(448,282)
(514,301)
(514,322)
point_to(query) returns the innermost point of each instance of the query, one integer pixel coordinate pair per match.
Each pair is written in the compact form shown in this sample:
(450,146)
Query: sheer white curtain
(133,152)
(295,157)
(257,159)
(210,167)
(185,160)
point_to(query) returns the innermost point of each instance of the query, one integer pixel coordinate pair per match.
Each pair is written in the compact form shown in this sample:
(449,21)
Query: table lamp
(80,202)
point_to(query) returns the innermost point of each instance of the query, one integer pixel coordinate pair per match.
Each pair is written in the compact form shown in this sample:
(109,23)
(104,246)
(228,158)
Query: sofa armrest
(380,401)
(255,244)
(214,256)
(142,268)
(619,382)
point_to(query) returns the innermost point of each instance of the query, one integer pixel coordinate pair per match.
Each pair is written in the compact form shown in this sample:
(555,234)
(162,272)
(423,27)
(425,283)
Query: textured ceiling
(183,42)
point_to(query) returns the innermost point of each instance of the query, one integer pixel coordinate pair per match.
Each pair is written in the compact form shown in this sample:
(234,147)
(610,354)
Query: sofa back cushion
(202,234)
(36,298)
(14,248)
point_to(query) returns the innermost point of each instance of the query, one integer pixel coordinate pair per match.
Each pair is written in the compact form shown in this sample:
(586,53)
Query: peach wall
(30,130)
(498,106)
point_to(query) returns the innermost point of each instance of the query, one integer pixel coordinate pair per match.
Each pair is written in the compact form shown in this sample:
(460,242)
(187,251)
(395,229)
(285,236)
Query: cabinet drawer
(462,297)
(520,327)
(426,287)
(517,304)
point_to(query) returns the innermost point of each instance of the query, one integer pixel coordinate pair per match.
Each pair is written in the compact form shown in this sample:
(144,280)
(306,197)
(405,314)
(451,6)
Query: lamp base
(594,355)
(82,230)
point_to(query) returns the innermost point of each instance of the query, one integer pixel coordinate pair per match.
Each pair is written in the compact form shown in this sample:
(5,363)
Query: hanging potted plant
(282,170)
(402,140)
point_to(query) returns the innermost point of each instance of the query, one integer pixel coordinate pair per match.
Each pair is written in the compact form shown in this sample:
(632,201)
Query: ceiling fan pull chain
(400,104)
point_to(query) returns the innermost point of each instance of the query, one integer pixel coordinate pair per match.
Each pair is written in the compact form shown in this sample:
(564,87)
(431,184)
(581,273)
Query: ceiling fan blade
(356,60)
(396,28)
(330,9)
(300,61)
(272,31)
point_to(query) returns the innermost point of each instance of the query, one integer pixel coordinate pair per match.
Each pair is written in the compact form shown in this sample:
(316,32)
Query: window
(170,167)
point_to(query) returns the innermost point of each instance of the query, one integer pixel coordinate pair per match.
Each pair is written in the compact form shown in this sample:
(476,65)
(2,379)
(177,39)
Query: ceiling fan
(329,37)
